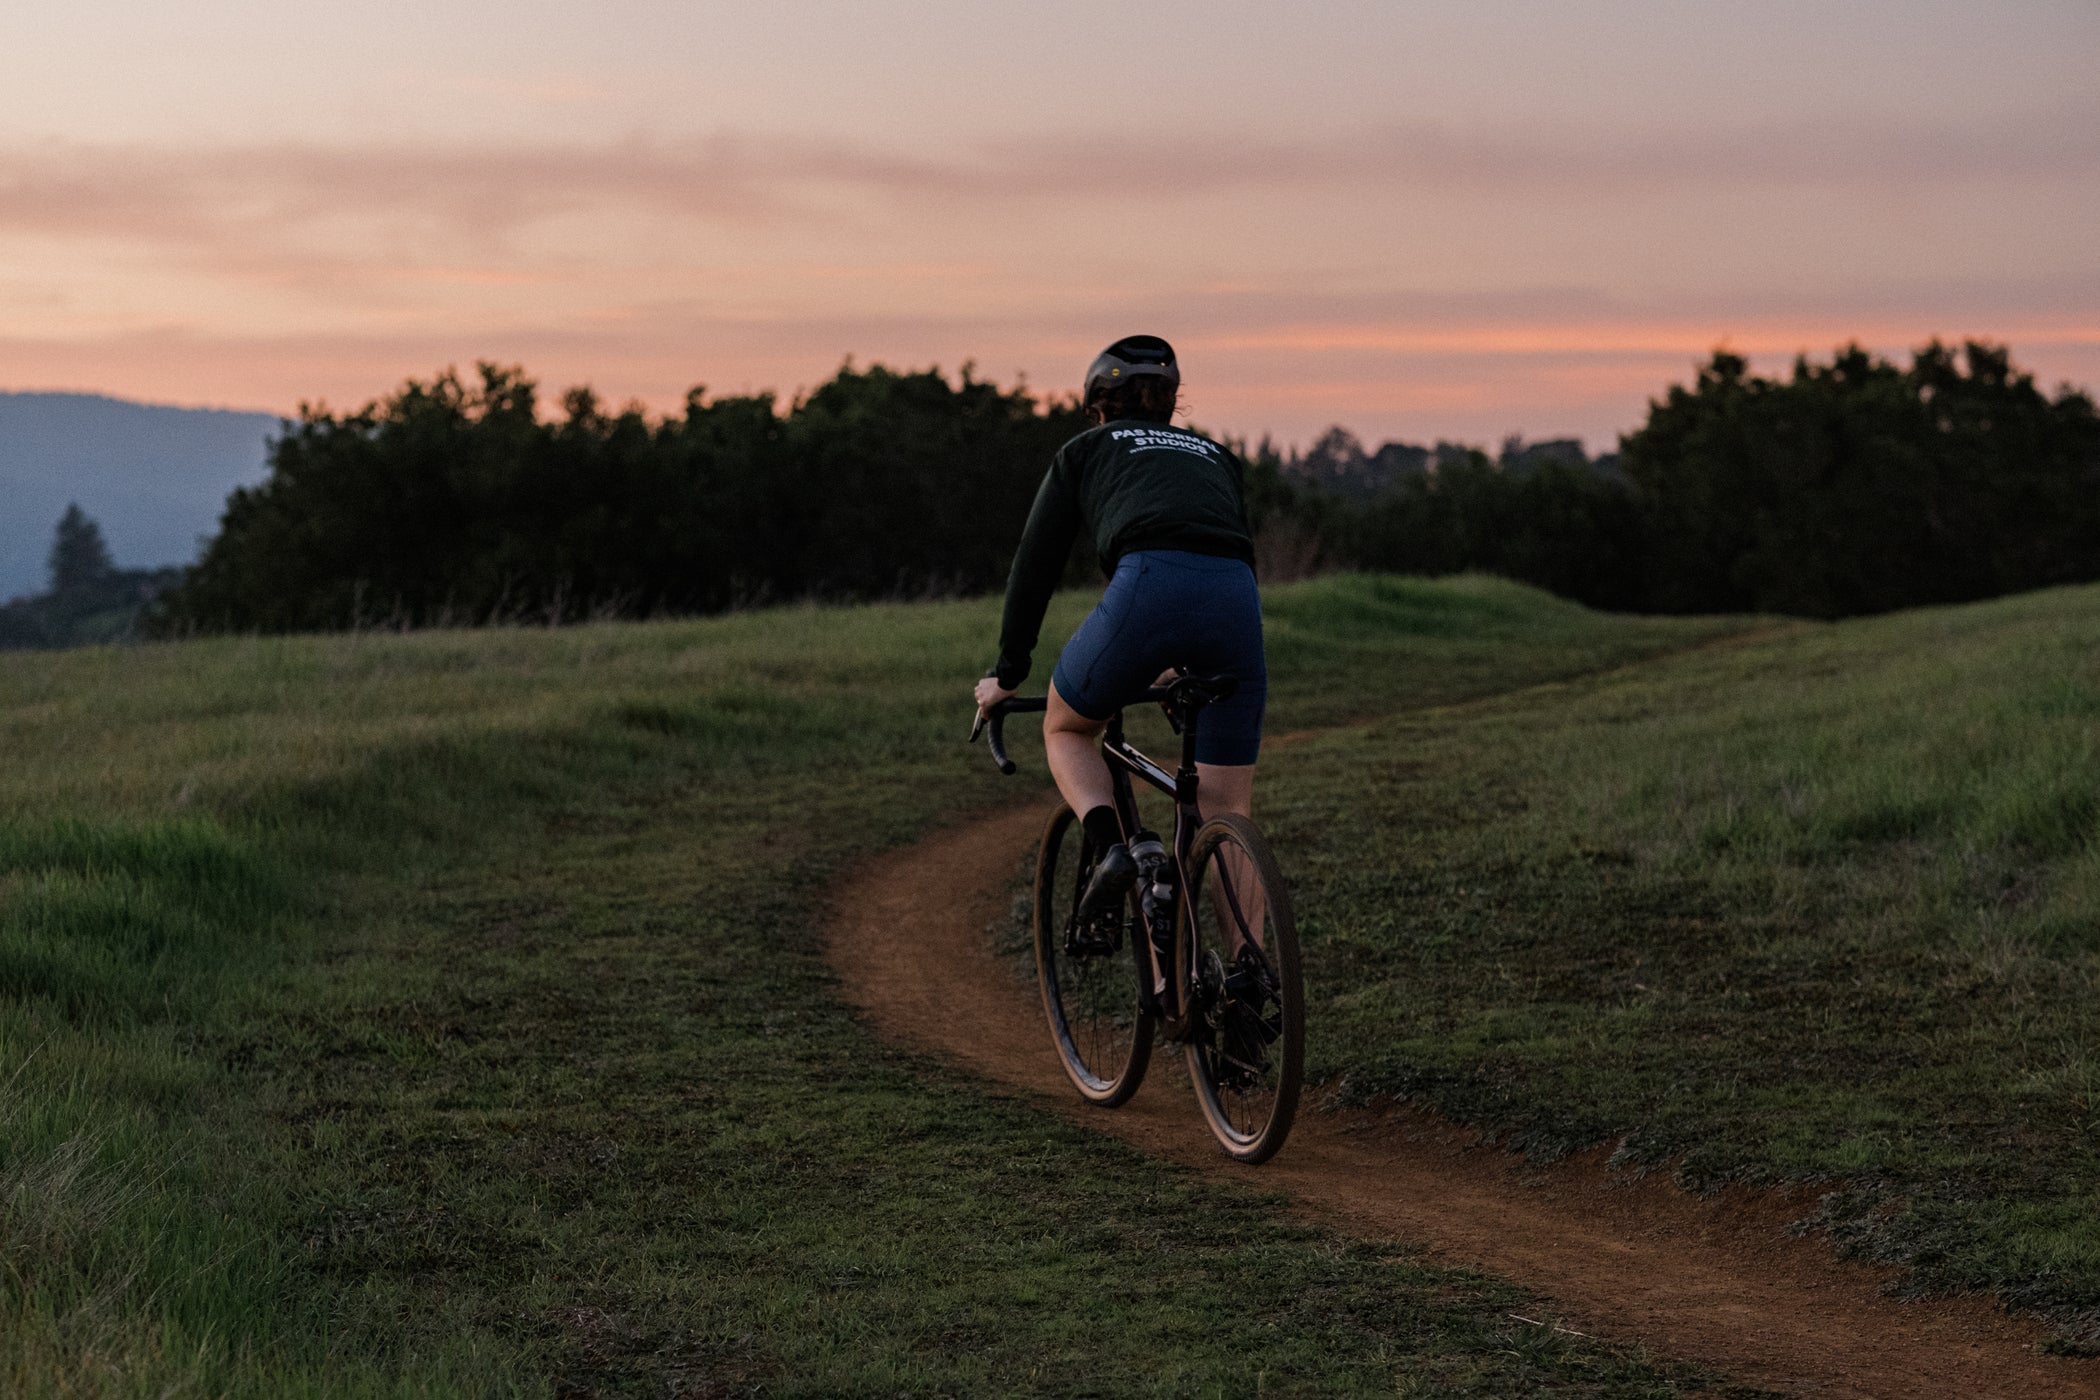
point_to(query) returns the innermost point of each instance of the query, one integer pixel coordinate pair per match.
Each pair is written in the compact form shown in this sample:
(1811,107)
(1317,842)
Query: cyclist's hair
(1148,399)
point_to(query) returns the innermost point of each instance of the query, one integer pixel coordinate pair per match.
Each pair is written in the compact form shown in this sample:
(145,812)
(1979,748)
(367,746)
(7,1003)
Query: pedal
(1095,938)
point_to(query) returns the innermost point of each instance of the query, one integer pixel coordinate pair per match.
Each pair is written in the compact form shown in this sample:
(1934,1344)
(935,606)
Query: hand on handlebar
(994,703)
(990,693)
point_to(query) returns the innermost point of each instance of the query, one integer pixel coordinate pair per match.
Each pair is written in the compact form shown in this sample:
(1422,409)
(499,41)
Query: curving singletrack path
(1717,1281)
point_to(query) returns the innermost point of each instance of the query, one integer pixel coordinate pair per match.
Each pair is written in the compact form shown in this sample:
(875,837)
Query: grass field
(1824,905)
(442,1015)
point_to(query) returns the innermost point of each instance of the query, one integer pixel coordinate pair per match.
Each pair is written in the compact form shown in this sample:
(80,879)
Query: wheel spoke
(1246,1046)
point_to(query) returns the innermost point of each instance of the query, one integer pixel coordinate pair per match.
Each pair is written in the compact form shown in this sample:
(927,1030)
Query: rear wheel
(1089,975)
(1246,1041)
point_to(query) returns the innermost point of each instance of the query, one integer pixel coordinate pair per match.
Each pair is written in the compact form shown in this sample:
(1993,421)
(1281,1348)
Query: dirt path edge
(1714,1280)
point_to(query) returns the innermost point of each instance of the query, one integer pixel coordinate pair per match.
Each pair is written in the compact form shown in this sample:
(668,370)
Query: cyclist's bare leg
(1225,787)
(1229,787)
(1072,745)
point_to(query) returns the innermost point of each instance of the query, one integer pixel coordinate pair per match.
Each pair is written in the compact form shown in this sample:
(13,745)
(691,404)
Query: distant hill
(155,478)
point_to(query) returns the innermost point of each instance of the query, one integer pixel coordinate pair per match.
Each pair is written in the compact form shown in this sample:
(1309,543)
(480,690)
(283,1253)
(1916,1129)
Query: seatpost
(1185,776)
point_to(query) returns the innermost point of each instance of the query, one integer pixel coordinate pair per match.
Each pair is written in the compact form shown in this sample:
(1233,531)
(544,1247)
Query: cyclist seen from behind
(1166,511)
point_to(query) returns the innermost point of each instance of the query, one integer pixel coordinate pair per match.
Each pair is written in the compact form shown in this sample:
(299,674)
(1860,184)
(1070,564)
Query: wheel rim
(1090,996)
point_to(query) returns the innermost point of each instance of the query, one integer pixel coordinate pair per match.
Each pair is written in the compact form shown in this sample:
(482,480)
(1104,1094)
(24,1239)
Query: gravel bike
(1203,952)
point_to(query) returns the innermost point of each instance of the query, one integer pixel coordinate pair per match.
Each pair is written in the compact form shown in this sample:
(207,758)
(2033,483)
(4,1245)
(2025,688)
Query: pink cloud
(178,194)
(409,258)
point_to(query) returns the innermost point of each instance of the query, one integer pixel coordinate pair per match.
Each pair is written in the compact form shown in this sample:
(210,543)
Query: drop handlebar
(1181,698)
(995,720)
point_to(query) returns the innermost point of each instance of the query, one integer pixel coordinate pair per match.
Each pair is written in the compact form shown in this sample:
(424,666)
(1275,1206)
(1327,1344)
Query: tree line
(88,598)
(1851,487)
(457,502)
(1847,487)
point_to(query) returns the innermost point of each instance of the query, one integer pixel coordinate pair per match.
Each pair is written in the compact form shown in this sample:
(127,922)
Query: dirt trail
(1715,1281)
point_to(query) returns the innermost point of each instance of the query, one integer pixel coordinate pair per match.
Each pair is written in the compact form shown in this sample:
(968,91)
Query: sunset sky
(1420,220)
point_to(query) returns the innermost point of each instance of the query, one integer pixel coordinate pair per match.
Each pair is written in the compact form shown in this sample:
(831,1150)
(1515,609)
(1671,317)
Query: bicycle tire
(1249,1096)
(1098,1021)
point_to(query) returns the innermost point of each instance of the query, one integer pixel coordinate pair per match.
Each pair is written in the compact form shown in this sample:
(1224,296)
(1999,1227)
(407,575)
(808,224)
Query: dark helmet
(1132,357)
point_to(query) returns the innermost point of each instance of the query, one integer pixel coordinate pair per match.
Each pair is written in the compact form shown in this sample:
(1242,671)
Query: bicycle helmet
(1132,357)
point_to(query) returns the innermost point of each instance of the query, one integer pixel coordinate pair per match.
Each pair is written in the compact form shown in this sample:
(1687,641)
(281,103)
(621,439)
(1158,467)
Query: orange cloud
(1594,338)
(1432,388)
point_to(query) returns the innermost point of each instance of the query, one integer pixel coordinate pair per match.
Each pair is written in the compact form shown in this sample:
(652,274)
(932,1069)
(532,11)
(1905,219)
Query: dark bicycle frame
(1183,700)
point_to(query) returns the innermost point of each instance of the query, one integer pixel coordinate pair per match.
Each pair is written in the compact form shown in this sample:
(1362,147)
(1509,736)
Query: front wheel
(1246,1042)
(1089,974)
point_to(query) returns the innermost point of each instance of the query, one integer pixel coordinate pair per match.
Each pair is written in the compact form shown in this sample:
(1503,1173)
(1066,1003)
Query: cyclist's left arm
(1046,542)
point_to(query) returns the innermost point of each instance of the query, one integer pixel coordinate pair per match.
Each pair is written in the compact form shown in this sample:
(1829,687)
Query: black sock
(1102,828)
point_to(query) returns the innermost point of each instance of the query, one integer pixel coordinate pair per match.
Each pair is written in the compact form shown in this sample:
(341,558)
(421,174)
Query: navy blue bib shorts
(1168,607)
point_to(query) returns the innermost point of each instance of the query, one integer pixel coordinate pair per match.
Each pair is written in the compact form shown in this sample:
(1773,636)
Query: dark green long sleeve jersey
(1131,485)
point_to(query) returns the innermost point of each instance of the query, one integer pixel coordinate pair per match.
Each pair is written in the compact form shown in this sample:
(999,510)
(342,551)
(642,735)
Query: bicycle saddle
(1186,694)
(1203,690)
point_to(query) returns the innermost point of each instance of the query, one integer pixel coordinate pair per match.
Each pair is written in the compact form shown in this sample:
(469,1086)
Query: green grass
(443,1015)
(1821,905)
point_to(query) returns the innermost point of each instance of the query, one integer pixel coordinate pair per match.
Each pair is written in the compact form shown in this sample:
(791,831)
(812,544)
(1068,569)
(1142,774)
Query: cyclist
(1166,511)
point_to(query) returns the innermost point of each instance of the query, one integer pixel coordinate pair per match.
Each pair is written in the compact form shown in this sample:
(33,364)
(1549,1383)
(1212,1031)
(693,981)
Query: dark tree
(1557,524)
(80,560)
(457,502)
(1858,487)
(90,598)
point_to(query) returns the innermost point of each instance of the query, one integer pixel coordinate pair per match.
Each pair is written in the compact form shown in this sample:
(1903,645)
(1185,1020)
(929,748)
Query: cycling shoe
(1114,874)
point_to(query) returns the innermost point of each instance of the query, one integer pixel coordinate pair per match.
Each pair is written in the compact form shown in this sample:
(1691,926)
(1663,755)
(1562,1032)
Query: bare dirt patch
(1716,1280)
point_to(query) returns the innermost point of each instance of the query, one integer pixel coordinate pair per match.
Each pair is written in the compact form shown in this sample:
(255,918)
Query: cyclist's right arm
(1046,542)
